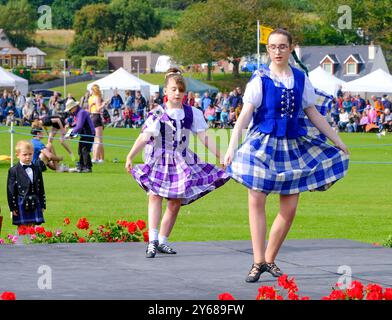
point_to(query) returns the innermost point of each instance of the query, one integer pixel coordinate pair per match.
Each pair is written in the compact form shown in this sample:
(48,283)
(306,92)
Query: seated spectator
(387,120)
(386,102)
(224,118)
(116,119)
(343,119)
(43,111)
(9,106)
(127,117)
(363,121)
(354,118)
(10,118)
(137,120)
(210,115)
(232,117)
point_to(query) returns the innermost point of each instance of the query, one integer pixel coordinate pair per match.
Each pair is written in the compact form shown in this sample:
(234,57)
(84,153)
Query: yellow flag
(264,34)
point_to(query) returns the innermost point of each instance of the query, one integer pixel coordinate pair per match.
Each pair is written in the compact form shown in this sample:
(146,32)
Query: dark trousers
(85,146)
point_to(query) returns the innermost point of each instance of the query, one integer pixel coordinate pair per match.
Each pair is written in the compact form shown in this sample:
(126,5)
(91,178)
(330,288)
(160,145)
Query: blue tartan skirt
(24,217)
(270,164)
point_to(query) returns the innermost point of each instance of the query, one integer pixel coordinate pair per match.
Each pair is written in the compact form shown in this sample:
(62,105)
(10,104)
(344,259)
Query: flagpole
(258,44)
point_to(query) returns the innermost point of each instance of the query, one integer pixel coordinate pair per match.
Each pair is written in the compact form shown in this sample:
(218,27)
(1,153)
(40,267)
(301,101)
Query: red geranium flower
(141,224)
(82,240)
(30,230)
(132,227)
(374,292)
(67,221)
(388,294)
(355,291)
(8,296)
(287,284)
(293,296)
(337,295)
(122,223)
(226,296)
(83,224)
(48,234)
(145,236)
(266,293)
(22,230)
(39,230)
(91,232)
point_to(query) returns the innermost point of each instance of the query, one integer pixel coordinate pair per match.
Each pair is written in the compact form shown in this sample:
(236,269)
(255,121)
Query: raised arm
(323,126)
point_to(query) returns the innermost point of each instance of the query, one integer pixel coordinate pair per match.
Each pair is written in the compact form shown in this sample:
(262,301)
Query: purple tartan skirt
(178,179)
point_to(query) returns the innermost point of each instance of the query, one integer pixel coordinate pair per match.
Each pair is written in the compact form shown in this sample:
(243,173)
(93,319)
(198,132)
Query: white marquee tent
(121,80)
(378,81)
(10,81)
(164,63)
(325,81)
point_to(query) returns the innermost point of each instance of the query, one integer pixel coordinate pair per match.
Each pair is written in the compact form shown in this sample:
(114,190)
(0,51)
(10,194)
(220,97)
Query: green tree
(132,19)
(92,28)
(225,29)
(373,17)
(64,11)
(19,21)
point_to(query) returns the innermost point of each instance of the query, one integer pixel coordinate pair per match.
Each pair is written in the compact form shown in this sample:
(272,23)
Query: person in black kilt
(25,188)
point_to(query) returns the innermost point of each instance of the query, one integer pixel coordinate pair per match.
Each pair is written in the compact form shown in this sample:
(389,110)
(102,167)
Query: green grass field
(357,207)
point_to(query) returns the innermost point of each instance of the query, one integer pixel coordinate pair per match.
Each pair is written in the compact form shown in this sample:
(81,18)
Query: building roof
(311,56)
(11,51)
(33,51)
(4,41)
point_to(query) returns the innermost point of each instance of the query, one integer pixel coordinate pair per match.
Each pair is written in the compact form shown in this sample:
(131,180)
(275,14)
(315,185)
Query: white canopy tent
(121,80)
(325,81)
(164,63)
(10,81)
(378,81)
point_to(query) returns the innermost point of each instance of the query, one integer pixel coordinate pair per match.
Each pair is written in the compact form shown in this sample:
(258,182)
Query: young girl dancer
(279,155)
(171,170)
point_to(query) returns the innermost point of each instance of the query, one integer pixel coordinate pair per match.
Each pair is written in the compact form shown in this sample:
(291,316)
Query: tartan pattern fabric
(287,166)
(271,164)
(28,217)
(171,170)
(323,104)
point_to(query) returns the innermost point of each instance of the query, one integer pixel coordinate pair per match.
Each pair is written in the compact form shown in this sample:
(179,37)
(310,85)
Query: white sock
(153,234)
(162,239)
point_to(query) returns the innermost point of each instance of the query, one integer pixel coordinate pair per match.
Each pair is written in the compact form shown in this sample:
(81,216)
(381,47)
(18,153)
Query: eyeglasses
(281,47)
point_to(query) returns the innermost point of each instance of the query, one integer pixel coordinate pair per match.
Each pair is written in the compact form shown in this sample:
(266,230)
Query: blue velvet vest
(278,113)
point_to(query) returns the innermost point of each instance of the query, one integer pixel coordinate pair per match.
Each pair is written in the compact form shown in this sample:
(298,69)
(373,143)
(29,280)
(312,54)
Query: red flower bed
(121,231)
(356,291)
(8,296)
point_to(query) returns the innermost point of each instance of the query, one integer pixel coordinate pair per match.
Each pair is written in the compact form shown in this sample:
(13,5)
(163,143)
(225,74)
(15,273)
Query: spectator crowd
(348,113)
